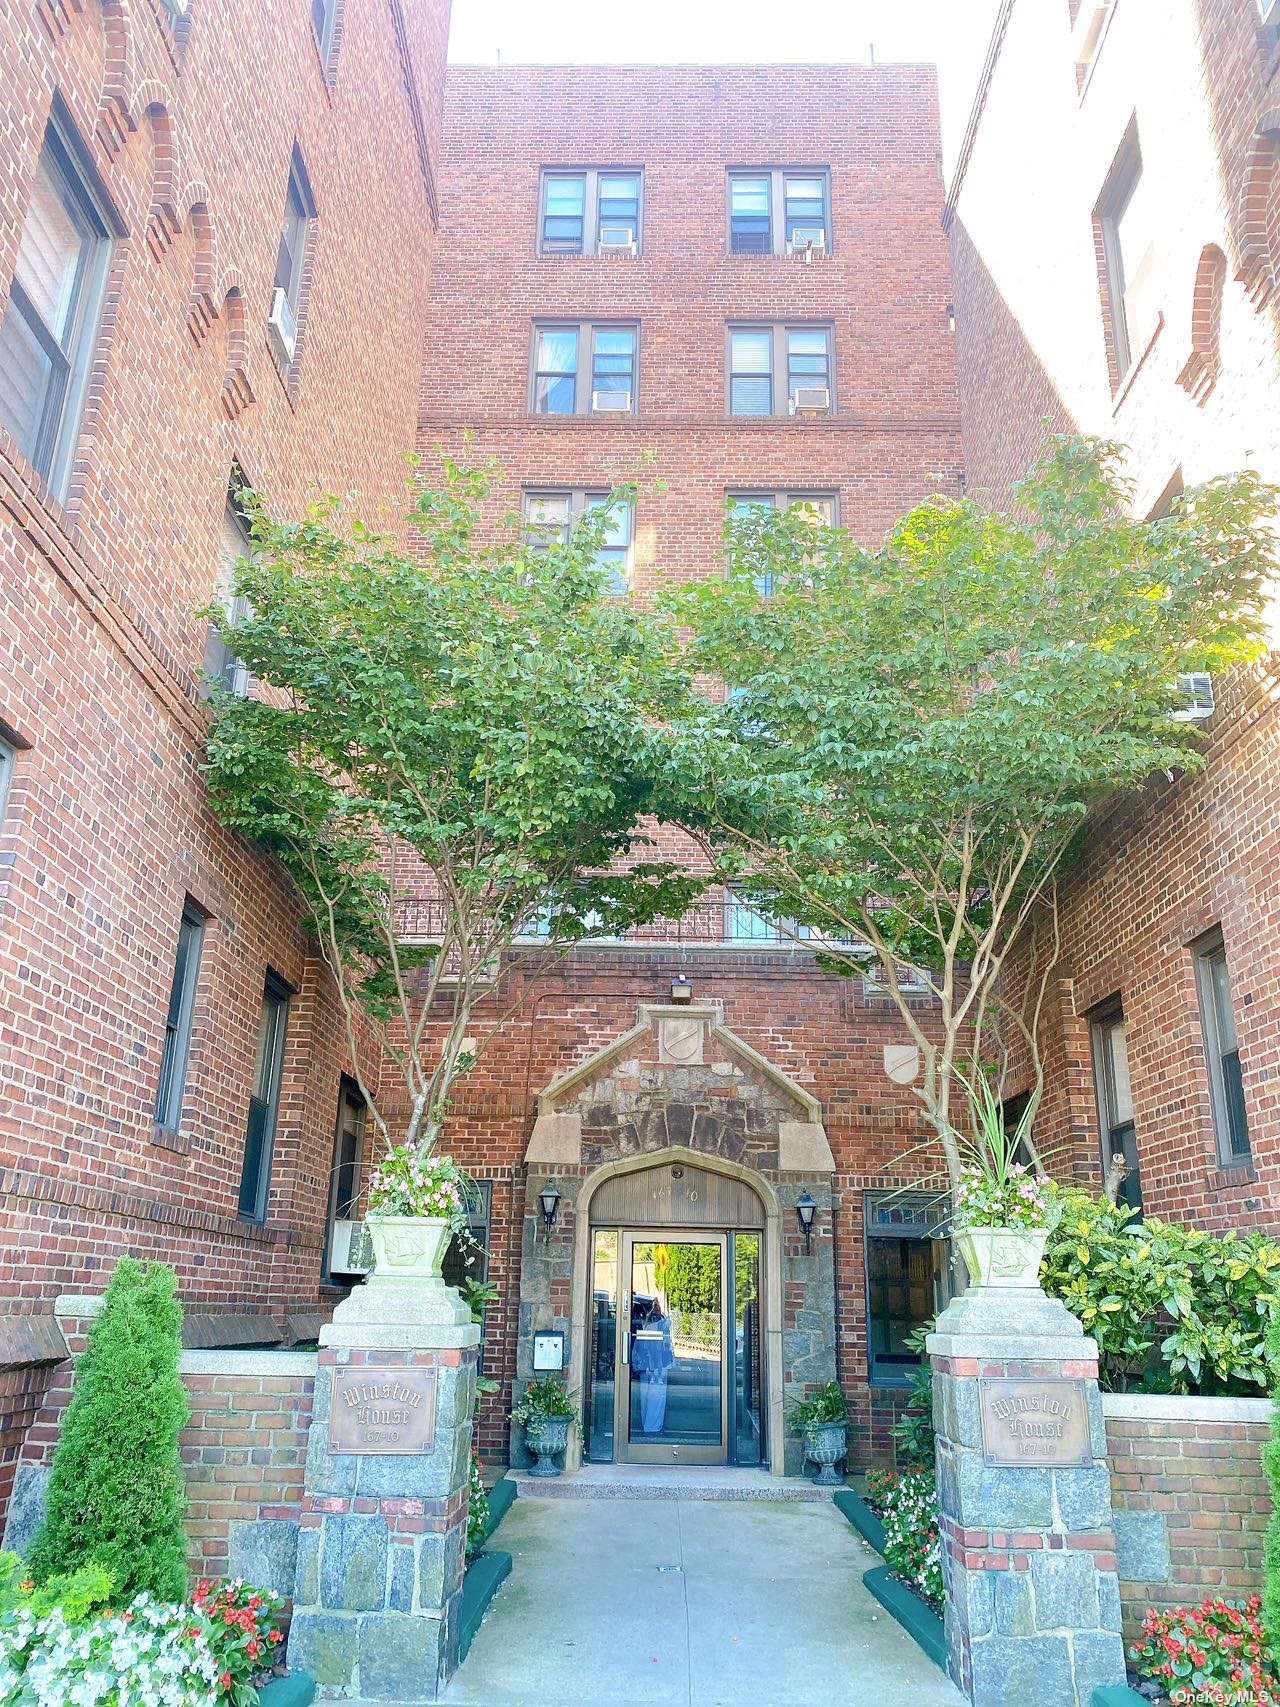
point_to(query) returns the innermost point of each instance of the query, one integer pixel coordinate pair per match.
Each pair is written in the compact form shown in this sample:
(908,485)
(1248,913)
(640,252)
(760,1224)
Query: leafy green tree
(117,1494)
(453,748)
(916,733)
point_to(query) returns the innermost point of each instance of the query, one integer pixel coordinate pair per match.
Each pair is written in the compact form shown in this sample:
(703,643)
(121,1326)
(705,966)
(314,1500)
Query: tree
(452,749)
(916,734)
(117,1495)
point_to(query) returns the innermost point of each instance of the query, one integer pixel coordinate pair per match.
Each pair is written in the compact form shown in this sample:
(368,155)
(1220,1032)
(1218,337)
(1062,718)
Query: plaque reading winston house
(1034,1422)
(391,1413)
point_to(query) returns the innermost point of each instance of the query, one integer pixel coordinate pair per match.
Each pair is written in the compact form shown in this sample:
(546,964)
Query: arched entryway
(676,1328)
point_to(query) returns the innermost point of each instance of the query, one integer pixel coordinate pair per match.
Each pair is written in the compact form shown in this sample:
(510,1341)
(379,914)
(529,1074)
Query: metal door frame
(624,1451)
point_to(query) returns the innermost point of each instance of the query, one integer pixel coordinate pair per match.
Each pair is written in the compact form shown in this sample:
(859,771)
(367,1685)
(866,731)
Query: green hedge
(1173,1309)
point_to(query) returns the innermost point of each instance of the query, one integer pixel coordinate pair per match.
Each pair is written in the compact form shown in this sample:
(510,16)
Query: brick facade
(1037,352)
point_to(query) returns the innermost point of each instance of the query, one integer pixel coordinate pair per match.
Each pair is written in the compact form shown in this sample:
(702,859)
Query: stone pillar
(1024,1496)
(382,1544)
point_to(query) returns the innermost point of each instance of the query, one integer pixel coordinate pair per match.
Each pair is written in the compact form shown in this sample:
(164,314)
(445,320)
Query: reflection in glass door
(673,1358)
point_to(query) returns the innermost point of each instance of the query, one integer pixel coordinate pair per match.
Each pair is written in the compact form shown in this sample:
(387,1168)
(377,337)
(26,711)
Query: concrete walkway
(619,1603)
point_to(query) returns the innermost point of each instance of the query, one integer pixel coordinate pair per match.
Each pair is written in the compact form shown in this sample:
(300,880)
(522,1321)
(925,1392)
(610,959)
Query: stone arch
(771,1262)
(1200,371)
(1260,212)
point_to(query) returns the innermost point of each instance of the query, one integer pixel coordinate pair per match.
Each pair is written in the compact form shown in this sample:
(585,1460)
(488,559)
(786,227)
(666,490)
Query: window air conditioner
(811,400)
(1199,689)
(611,402)
(816,242)
(283,322)
(349,1249)
(617,240)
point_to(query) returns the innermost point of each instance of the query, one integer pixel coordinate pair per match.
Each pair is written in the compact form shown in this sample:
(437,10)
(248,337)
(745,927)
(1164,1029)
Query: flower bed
(1215,1654)
(907,1506)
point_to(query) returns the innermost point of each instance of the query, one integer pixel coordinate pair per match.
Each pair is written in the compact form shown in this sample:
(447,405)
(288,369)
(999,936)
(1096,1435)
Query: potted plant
(417,1205)
(1004,1208)
(546,1411)
(822,1420)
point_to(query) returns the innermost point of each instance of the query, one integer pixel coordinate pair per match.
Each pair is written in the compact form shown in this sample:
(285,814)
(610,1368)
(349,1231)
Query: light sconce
(681,989)
(549,1198)
(806,1209)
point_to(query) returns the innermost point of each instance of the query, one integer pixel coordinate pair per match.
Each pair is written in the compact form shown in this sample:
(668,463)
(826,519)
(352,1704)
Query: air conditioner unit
(350,1249)
(811,400)
(1199,690)
(816,242)
(616,240)
(283,322)
(611,402)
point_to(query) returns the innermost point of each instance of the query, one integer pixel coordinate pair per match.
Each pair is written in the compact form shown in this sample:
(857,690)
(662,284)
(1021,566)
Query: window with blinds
(221,665)
(49,331)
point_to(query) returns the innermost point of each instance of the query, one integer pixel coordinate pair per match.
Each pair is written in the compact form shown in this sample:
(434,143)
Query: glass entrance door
(672,1378)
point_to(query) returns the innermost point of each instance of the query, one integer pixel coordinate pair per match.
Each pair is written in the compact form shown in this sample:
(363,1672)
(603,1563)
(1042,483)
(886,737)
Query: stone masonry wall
(1189,1496)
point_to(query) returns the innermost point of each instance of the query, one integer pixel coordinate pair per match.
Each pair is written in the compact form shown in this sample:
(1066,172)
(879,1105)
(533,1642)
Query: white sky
(953,33)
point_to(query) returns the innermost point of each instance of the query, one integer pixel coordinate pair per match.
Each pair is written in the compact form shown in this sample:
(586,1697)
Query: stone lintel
(78,1305)
(803,1148)
(1009,1348)
(388,1313)
(388,1337)
(557,1138)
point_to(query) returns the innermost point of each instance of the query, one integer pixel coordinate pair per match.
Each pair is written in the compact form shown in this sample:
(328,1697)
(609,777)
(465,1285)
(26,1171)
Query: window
(551,515)
(777,370)
(344,1180)
(7,757)
(1115,1100)
(264,1102)
(1124,219)
(286,300)
(1222,1048)
(177,1025)
(908,1278)
(742,923)
(565,384)
(590,212)
(742,505)
(468,1259)
(220,662)
(779,211)
(49,334)
(323,17)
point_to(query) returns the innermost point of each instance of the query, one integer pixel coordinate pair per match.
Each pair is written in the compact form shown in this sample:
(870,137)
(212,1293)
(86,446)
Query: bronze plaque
(384,1412)
(1034,1422)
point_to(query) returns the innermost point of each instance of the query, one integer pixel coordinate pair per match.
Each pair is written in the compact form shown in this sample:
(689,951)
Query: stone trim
(1173,1407)
(299,1363)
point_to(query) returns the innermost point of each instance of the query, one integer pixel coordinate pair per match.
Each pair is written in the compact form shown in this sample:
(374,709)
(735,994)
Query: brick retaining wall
(1190,1497)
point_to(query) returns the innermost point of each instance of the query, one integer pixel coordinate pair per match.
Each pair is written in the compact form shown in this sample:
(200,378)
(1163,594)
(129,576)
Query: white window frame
(579,498)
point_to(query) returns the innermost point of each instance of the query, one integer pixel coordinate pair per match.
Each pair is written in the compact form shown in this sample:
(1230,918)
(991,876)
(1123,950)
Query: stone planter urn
(546,1438)
(825,1444)
(1003,1256)
(409,1247)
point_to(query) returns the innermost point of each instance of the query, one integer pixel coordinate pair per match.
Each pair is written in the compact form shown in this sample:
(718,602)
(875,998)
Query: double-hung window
(220,663)
(50,331)
(780,370)
(264,1102)
(324,15)
(344,1182)
(1115,1099)
(593,211)
(584,369)
(1126,218)
(1222,1048)
(6,775)
(286,298)
(550,518)
(820,506)
(779,211)
(177,1025)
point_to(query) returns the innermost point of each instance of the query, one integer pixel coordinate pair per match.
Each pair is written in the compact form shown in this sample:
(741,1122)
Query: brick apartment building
(731,284)
(1115,260)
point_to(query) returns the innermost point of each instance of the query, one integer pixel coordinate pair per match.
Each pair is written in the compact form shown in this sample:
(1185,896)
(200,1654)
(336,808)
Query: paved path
(693,1603)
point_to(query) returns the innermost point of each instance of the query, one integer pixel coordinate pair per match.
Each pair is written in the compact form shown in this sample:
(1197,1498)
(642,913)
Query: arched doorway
(676,1330)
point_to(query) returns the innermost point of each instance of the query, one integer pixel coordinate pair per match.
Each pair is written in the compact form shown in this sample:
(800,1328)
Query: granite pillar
(1024,1496)
(382,1543)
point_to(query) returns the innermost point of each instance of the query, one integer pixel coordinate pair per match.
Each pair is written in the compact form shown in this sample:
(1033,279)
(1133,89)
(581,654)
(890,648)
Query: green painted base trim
(920,1622)
(502,1496)
(861,1516)
(296,1690)
(1119,1695)
(485,1575)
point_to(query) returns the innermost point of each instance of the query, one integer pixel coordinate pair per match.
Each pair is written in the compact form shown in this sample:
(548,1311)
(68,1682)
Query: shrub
(819,1410)
(1215,1652)
(76,1594)
(1173,1309)
(908,1506)
(116,1494)
(913,1433)
(477,1508)
(548,1397)
(149,1655)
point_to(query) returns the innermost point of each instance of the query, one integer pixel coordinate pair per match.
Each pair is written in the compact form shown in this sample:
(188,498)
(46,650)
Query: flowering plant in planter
(410,1181)
(1215,1652)
(1016,1198)
(908,1507)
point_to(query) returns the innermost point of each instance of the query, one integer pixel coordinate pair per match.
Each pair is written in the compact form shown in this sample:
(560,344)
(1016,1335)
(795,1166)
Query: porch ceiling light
(549,1198)
(806,1209)
(681,989)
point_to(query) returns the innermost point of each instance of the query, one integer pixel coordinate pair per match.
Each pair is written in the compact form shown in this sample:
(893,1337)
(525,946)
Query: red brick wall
(1201,1478)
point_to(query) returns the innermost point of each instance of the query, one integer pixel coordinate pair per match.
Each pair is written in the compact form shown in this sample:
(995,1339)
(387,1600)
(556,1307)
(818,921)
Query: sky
(953,33)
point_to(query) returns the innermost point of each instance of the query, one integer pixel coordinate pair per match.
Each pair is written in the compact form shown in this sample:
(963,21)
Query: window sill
(1136,365)
(609,255)
(1236,1177)
(286,368)
(178,1142)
